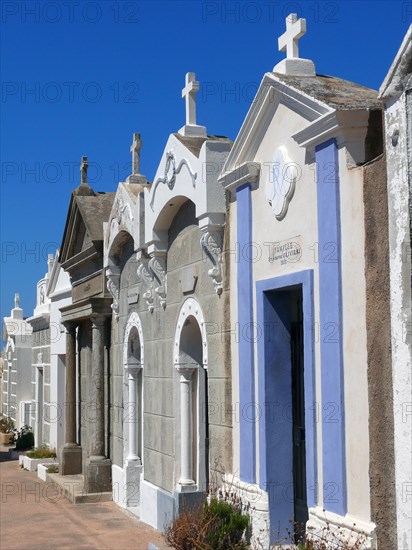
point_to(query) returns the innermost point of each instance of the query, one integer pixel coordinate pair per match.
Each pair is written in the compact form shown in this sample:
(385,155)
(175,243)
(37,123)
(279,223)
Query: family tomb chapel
(303,176)
(169,282)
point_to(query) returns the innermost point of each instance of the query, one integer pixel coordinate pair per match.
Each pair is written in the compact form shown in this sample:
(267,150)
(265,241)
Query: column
(134,409)
(71,454)
(96,391)
(97,475)
(186,426)
(70,434)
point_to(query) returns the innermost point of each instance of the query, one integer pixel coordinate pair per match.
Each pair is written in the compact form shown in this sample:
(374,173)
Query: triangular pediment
(76,237)
(271,93)
(310,97)
(84,224)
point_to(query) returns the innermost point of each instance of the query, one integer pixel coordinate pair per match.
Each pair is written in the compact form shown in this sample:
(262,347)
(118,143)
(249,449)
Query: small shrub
(214,525)
(6,425)
(53,470)
(24,438)
(42,452)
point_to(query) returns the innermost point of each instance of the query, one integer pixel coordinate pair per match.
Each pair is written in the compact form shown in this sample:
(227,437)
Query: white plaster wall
(354,339)
(59,298)
(401,317)
(202,190)
(300,220)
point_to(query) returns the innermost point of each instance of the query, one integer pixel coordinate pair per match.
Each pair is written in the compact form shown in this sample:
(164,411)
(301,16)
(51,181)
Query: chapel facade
(171,362)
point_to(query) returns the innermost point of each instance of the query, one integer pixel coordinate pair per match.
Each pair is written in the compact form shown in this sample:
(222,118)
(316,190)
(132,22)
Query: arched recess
(114,249)
(133,361)
(190,362)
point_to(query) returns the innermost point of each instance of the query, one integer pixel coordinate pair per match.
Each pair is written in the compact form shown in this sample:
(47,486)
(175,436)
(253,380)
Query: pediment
(126,217)
(272,93)
(188,170)
(77,238)
(83,233)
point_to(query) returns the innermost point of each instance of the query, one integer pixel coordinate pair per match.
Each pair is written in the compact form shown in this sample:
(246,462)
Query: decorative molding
(113,286)
(190,308)
(280,182)
(133,321)
(247,172)
(147,279)
(211,242)
(123,209)
(157,265)
(170,173)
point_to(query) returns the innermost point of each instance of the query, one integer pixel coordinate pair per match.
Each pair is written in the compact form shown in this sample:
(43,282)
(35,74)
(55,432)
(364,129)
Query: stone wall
(160,386)
(381,435)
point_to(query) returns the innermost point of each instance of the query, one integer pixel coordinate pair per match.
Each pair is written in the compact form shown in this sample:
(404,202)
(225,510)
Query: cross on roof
(83,170)
(17,300)
(295,29)
(189,93)
(135,150)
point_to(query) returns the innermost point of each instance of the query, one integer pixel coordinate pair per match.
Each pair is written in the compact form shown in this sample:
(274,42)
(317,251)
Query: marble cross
(83,170)
(135,150)
(295,29)
(17,301)
(189,93)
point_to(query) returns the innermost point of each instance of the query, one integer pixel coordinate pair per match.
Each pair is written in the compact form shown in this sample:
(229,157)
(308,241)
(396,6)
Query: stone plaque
(91,287)
(188,279)
(285,252)
(133,295)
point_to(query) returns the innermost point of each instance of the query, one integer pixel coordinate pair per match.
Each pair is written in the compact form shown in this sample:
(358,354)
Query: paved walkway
(34,517)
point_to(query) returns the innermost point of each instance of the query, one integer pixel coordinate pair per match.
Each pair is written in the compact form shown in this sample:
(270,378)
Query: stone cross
(135,150)
(189,93)
(83,170)
(17,301)
(295,29)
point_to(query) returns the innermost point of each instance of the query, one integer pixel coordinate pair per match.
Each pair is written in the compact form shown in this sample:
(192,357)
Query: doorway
(282,364)
(300,505)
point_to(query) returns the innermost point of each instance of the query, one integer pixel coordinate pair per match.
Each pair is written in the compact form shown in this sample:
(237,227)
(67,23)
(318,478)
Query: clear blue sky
(79,77)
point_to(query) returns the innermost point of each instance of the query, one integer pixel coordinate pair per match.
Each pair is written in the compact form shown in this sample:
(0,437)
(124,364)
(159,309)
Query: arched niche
(190,362)
(133,362)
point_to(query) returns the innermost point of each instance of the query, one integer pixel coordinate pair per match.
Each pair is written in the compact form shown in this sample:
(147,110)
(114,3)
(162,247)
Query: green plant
(6,425)
(214,525)
(42,451)
(24,438)
(53,469)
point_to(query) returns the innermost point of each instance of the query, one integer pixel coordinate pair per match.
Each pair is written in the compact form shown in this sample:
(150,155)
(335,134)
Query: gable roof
(94,209)
(335,92)
(194,144)
(314,97)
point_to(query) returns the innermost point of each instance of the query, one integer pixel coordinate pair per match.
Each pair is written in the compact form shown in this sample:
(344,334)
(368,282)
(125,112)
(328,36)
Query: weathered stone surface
(98,475)
(159,433)
(158,396)
(158,469)
(71,461)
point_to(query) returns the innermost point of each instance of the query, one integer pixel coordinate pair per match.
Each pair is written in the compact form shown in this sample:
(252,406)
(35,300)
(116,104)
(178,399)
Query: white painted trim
(133,321)
(349,527)
(190,308)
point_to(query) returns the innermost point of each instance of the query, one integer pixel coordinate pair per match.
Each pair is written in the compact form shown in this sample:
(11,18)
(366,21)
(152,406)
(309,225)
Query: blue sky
(79,77)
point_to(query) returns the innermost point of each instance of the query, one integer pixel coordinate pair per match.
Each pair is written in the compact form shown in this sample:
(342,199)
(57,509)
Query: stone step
(71,488)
